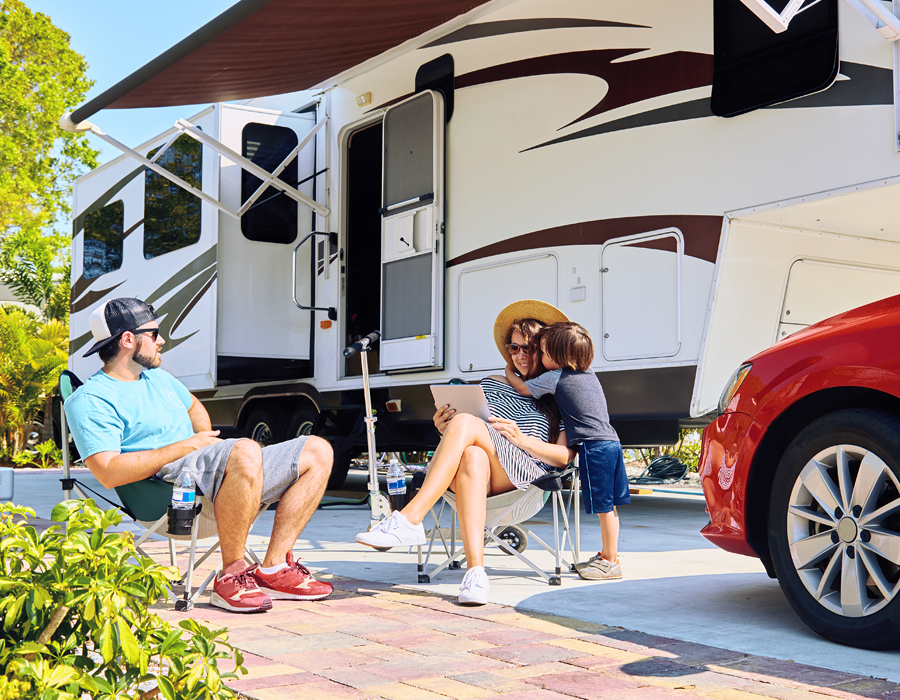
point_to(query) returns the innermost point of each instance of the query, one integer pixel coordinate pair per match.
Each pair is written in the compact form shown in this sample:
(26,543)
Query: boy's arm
(516,382)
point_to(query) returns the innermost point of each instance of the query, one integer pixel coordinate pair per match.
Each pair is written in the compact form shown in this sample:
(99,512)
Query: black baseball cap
(114,317)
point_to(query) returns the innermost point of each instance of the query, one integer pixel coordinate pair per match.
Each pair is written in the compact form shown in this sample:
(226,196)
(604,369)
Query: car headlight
(733,385)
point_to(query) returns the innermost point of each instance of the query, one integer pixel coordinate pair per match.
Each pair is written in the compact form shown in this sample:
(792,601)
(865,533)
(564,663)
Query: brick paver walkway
(372,640)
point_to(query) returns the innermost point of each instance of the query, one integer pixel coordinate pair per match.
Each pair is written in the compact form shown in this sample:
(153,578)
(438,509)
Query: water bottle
(181,514)
(184,493)
(396,483)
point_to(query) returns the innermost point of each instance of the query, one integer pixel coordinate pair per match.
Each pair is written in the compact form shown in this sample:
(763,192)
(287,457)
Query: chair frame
(187,600)
(561,506)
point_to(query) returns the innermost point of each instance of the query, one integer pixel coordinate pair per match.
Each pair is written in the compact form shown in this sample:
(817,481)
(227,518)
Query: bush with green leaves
(75,617)
(45,455)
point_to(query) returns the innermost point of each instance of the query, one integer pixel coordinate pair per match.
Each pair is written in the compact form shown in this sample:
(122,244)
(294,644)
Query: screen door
(412,232)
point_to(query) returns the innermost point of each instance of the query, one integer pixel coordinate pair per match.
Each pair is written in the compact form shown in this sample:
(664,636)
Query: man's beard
(147,361)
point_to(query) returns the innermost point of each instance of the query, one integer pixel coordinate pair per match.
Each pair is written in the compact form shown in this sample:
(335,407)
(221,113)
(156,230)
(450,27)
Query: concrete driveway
(676,584)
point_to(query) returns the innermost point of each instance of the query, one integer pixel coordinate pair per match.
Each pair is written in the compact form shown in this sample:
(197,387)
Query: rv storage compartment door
(412,250)
(641,283)
(262,335)
(820,289)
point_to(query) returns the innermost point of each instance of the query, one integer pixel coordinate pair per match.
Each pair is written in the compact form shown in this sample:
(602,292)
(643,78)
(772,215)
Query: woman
(477,459)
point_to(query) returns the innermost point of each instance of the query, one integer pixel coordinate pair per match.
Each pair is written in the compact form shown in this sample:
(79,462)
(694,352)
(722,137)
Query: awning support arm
(249,166)
(887,23)
(155,167)
(277,172)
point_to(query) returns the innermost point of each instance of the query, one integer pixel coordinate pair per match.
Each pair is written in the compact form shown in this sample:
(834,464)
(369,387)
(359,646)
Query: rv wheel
(264,425)
(342,460)
(302,422)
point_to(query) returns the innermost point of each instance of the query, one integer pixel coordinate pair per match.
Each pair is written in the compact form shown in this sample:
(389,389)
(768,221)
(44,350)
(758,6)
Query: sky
(116,38)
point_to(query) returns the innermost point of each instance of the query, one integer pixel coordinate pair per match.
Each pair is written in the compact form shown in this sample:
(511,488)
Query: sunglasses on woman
(514,348)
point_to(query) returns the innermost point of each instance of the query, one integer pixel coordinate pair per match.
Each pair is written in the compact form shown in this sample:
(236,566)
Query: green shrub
(45,455)
(75,619)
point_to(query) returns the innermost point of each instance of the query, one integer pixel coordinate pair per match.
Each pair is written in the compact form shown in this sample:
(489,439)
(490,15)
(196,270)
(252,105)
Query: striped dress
(505,402)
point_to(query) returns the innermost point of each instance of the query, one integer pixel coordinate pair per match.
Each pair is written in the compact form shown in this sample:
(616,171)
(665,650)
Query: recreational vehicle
(683,180)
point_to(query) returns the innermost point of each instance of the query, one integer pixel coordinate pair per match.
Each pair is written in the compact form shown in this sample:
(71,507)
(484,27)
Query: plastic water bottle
(184,493)
(396,483)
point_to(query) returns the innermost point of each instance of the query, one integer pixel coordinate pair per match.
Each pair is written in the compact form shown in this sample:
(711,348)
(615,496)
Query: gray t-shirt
(581,402)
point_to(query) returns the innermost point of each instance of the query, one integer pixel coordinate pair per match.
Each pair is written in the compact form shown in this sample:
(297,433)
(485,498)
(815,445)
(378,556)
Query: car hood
(879,314)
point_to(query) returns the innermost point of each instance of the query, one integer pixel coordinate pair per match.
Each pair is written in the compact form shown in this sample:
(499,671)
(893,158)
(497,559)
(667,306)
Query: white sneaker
(475,587)
(394,531)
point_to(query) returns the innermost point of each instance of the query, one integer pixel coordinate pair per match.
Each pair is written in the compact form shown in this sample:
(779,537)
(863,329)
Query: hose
(665,469)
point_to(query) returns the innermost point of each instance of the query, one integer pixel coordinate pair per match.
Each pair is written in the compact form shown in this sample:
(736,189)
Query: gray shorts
(207,467)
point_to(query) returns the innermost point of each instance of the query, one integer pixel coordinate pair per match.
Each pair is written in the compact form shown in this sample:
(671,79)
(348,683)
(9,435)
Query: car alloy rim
(843,529)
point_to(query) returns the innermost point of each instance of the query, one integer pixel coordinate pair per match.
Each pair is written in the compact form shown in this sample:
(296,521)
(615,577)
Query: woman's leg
(478,477)
(463,431)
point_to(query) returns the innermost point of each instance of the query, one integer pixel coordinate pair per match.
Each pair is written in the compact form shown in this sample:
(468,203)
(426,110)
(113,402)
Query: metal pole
(379,504)
(64,439)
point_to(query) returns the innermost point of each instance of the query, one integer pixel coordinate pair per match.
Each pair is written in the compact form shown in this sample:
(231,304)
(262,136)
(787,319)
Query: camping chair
(146,502)
(505,512)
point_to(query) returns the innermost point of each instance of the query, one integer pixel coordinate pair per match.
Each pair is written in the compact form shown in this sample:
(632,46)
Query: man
(132,420)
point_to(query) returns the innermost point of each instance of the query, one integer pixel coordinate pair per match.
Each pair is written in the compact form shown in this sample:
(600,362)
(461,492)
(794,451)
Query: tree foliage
(74,617)
(32,354)
(35,266)
(41,78)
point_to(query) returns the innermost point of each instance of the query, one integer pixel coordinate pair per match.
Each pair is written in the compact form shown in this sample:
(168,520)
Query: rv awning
(269,47)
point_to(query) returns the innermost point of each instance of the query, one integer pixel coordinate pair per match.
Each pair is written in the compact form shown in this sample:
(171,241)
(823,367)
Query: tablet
(465,398)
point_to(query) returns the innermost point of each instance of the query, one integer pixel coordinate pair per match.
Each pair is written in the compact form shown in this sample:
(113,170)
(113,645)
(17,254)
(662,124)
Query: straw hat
(526,308)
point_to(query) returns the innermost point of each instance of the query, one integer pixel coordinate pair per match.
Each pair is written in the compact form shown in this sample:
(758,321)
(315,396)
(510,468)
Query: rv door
(412,228)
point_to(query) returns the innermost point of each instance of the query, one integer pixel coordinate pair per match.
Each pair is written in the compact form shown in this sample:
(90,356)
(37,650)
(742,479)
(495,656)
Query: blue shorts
(604,484)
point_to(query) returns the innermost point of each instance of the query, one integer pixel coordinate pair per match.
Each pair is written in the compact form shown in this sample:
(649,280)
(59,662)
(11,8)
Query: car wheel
(834,527)
(34,433)
(265,426)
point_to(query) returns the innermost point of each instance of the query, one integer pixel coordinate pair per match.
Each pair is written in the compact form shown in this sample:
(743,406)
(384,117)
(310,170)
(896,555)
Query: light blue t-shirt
(108,415)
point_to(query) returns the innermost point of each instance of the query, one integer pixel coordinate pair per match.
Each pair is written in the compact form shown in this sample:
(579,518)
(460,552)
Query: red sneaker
(239,593)
(293,583)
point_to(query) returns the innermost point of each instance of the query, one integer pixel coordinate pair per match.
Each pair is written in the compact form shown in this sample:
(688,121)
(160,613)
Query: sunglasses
(154,332)
(514,348)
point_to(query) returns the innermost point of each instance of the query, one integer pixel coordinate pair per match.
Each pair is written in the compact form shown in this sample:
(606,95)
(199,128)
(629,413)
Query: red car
(802,469)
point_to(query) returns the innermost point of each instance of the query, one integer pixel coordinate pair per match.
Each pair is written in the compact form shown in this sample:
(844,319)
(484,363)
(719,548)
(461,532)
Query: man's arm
(199,417)
(516,382)
(114,469)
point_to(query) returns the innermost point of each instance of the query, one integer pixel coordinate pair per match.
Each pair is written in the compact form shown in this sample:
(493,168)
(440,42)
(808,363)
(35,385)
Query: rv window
(755,67)
(172,214)
(273,217)
(103,240)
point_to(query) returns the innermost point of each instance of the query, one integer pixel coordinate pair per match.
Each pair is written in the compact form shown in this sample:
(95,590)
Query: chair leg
(172,553)
(509,550)
(576,535)
(187,603)
(556,540)
(206,582)
(251,556)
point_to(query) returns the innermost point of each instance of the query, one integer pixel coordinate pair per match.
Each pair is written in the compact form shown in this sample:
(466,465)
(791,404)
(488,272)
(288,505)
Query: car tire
(834,527)
(265,426)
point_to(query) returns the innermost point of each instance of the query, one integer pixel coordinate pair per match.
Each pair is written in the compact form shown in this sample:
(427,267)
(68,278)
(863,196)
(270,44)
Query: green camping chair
(146,503)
